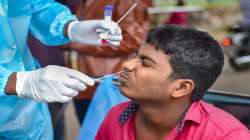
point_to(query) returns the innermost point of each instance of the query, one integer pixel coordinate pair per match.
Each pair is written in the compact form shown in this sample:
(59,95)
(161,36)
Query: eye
(144,62)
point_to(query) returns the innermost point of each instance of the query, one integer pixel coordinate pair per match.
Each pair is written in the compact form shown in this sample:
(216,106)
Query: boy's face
(148,76)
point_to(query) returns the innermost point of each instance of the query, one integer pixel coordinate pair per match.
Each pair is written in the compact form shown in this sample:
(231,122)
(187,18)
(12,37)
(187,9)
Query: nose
(129,65)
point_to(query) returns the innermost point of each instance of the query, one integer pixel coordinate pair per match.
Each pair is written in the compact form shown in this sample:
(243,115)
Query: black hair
(193,55)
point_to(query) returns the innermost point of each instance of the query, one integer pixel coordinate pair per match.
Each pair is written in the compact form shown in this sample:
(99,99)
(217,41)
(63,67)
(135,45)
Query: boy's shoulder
(221,119)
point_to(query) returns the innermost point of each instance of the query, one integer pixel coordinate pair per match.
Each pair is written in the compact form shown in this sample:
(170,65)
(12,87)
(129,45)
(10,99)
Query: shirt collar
(194,112)
(128,112)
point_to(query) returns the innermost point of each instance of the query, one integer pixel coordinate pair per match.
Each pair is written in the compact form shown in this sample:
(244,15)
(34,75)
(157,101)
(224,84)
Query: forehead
(155,54)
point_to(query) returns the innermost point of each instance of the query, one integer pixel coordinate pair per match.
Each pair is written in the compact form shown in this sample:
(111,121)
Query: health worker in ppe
(23,87)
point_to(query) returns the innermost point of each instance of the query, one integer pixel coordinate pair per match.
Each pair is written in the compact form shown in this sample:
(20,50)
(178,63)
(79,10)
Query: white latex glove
(85,32)
(51,84)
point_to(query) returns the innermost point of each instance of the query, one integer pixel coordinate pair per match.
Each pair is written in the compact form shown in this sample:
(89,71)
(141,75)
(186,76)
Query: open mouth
(121,80)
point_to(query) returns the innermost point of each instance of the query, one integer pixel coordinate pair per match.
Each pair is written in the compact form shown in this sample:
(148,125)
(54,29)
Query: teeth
(117,81)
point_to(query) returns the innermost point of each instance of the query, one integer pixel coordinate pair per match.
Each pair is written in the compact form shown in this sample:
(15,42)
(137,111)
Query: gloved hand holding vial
(107,32)
(108,10)
(79,32)
(108,17)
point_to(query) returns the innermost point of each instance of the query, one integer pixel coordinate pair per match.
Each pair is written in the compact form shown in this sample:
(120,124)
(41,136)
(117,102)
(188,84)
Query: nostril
(128,69)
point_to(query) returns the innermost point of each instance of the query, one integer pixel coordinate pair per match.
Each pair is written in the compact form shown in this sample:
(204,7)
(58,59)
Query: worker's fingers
(79,76)
(113,43)
(110,26)
(116,30)
(65,99)
(70,93)
(114,37)
(75,84)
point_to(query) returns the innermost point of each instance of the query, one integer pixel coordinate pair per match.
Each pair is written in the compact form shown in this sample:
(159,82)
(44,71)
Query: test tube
(108,10)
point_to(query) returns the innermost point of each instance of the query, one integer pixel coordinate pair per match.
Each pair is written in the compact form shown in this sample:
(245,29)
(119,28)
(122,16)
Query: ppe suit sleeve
(48,20)
(4,75)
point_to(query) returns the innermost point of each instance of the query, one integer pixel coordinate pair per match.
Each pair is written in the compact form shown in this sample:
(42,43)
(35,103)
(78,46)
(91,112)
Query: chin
(124,91)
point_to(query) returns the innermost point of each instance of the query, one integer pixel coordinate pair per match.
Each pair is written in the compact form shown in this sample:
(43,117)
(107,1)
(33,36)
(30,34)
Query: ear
(182,87)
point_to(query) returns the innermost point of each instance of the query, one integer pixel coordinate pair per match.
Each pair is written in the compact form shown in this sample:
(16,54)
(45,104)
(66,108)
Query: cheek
(137,84)
(149,82)
(145,83)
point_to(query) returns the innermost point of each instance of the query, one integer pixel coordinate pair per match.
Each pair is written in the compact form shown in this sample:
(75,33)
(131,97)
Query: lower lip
(122,80)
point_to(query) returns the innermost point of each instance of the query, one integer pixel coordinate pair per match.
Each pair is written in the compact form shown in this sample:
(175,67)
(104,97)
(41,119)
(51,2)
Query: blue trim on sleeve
(57,27)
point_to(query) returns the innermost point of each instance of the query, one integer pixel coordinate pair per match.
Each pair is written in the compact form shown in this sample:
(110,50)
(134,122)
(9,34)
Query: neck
(161,117)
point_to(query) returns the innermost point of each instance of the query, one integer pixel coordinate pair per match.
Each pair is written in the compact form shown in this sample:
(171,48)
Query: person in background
(179,18)
(245,9)
(24,86)
(166,82)
(148,3)
(99,61)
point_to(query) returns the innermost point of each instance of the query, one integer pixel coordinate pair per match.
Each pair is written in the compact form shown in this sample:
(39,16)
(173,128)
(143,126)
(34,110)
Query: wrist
(10,88)
(68,27)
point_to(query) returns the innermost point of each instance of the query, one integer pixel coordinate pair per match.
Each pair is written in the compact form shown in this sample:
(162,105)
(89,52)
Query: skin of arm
(10,88)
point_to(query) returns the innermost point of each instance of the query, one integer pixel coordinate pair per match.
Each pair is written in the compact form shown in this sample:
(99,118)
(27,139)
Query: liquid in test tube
(108,10)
